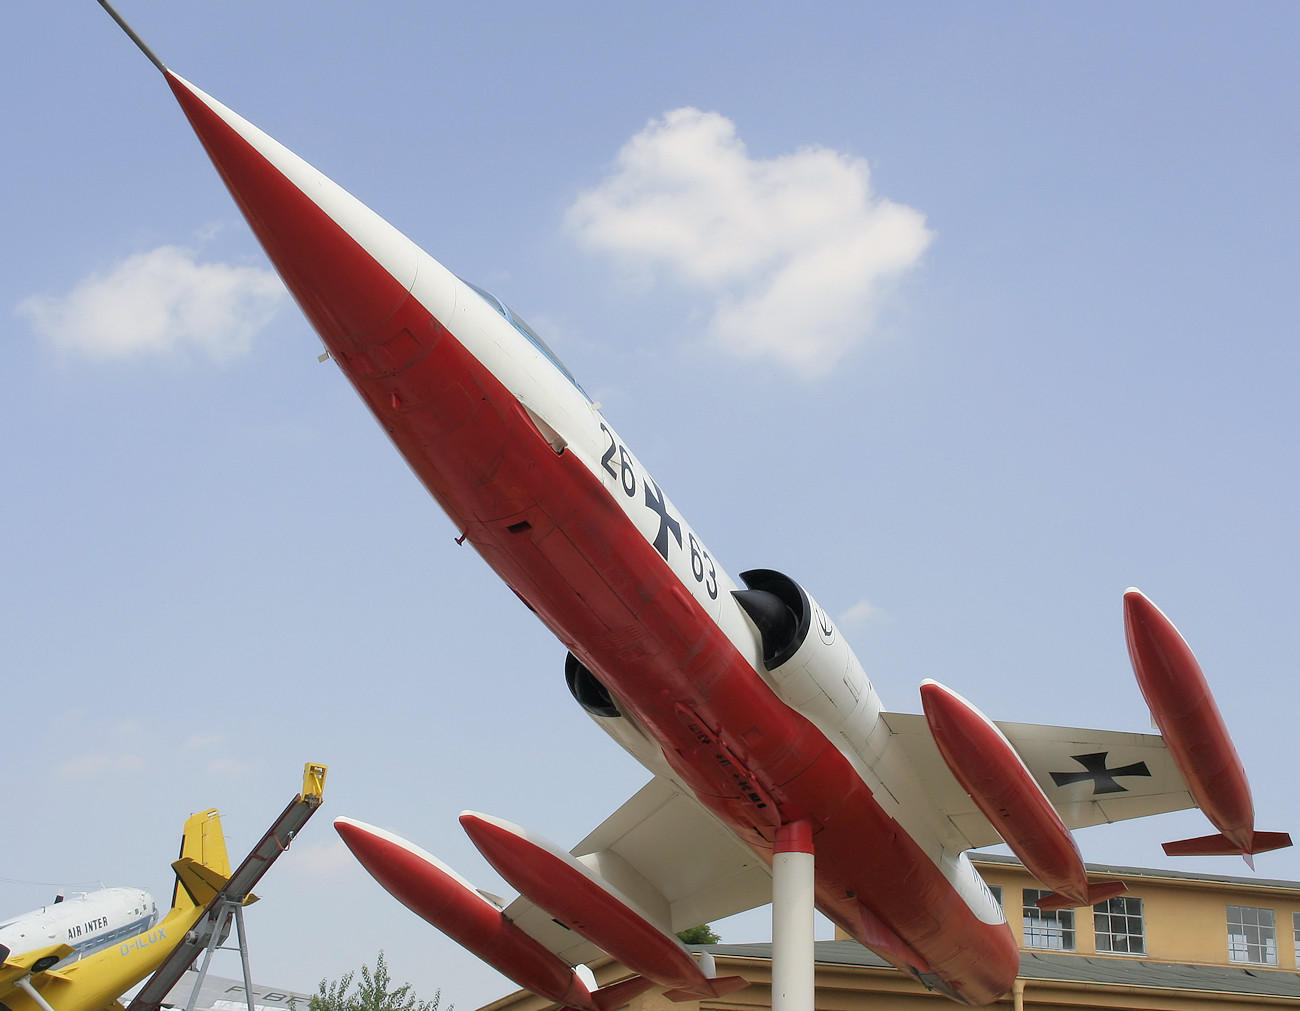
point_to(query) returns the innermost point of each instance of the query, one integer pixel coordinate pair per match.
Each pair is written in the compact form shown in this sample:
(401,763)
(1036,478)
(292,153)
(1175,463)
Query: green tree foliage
(703,934)
(373,993)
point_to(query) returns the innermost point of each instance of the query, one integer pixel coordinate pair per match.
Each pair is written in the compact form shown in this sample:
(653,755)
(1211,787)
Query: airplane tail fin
(616,995)
(717,986)
(1220,845)
(203,865)
(1098,891)
(713,985)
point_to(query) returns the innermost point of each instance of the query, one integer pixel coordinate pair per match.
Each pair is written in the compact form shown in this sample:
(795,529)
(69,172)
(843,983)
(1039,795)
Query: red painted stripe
(795,837)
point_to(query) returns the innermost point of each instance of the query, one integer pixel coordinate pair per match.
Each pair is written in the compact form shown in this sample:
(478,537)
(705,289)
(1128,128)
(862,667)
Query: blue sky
(1048,253)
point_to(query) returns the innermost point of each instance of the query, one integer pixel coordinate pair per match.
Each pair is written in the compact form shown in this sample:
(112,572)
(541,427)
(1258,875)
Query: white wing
(1090,776)
(668,854)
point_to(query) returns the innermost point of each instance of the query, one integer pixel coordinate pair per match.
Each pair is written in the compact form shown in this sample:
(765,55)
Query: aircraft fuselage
(545,490)
(86,922)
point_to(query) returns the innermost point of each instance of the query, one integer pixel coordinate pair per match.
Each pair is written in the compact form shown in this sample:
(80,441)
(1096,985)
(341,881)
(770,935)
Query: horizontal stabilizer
(616,995)
(1263,842)
(202,883)
(1097,893)
(718,986)
(1220,845)
(15,967)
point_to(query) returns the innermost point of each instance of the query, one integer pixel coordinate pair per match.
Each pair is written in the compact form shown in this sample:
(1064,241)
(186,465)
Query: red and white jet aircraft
(763,734)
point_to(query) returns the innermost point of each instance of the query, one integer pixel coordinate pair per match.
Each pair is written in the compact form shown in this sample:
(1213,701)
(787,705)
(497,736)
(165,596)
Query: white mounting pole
(793,958)
(25,985)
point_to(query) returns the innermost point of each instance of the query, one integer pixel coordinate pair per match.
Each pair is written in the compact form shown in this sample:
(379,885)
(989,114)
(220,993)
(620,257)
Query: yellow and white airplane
(55,960)
(96,954)
(86,923)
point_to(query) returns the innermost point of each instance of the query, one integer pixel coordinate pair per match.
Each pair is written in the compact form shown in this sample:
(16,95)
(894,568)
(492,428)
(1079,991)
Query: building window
(996,892)
(1295,929)
(1252,935)
(1047,928)
(1118,925)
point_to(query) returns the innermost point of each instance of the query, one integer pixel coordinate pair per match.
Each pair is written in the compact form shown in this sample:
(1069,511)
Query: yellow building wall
(1185,920)
(841,988)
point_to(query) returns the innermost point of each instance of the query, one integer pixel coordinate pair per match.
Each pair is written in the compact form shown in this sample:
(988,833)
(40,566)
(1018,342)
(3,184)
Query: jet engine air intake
(593,696)
(780,609)
(807,660)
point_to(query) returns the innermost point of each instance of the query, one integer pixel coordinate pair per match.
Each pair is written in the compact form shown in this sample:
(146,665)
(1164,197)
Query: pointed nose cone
(348,269)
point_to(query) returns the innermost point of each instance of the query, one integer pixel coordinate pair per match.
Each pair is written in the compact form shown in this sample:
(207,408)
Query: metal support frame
(213,927)
(793,954)
(220,919)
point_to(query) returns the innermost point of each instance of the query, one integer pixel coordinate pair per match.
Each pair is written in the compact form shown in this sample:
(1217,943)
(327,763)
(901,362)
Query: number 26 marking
(624,475)
(702,567)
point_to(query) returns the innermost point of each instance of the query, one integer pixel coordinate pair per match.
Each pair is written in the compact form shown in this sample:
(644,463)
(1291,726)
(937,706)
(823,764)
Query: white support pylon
(25,985)
(793,957)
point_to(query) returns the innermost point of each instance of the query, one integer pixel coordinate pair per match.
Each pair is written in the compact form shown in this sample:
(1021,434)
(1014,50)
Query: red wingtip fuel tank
(437,894)
(579,899)
(1176,691)
(988,768)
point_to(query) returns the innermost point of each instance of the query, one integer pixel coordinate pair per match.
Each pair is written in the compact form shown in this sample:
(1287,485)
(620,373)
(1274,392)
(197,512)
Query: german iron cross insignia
(1103,778)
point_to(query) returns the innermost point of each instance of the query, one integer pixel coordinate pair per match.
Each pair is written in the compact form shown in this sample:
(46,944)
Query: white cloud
(861,612)
(795,252)
(159,302)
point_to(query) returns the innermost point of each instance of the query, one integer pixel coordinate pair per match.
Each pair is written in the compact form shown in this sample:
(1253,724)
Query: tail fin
(714,985)
(616,995)
(718,986)
(1220,845)
(1097,892)
(203,866)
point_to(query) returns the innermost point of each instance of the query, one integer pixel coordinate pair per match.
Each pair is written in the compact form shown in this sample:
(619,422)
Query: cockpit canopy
(511,317)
